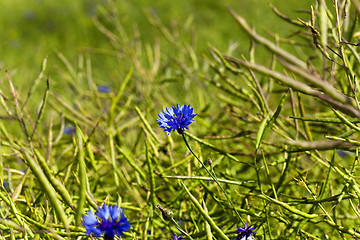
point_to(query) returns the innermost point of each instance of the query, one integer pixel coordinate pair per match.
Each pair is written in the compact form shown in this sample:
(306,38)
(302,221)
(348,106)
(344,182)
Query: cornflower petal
(122,225)
(94,231)
(176,238)
(90,222)
(103,212)
(90,219)
(114,212)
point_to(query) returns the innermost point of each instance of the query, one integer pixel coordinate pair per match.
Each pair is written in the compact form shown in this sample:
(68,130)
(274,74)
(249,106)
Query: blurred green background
(35,28)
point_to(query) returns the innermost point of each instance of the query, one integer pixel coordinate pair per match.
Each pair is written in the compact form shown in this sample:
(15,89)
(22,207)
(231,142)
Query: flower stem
(213,177)
(180,229)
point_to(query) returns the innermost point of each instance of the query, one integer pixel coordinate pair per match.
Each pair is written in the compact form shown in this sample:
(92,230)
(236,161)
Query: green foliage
(276,129)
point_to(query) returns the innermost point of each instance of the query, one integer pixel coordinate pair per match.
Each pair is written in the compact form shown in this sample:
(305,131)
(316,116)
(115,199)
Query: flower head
(6,185)
(103,88)
(69,130)
(176,238)
(245,233)
(109,220)
(176,118)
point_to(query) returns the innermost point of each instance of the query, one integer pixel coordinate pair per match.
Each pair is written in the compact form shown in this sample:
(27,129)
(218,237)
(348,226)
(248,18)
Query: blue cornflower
(110,221)
(176,118)
(69,130)
(176,238)
(103,88)
(6,185)
(245,233)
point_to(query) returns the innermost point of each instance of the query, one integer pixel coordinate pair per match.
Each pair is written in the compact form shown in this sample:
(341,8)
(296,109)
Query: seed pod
(167,214)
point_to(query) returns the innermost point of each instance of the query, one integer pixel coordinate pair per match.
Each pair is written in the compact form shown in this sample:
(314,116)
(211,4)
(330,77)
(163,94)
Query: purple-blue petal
(122,225)
(94,231)
(176,238)
(90,219)
(90,222)
(103,212)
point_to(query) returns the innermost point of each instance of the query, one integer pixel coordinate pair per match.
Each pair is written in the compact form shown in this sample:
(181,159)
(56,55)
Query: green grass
(276,127)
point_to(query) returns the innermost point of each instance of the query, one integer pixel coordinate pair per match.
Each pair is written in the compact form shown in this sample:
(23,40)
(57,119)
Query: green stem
(180,229)
(213,177)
